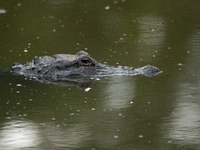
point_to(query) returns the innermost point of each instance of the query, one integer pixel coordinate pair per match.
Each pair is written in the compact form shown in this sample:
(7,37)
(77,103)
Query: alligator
(80,65)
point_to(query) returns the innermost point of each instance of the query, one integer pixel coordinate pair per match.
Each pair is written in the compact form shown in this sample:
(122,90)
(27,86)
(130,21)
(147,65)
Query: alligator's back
(38,66)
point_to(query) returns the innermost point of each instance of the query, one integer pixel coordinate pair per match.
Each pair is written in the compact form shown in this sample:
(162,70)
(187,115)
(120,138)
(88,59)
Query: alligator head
(58,66)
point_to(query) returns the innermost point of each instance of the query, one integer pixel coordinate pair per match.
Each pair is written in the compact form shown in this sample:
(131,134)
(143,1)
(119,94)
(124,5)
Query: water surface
(118,112)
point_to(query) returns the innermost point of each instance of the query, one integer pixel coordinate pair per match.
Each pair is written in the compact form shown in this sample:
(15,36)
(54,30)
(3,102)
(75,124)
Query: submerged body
(62,66)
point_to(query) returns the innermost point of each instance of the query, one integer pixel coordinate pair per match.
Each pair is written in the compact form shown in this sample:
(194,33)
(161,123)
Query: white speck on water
(116,136)
(152,29)
(71,114)
(19,4)
(140,136)
(93,109)
(10,50)
(169,141)
(17,91)
(25,50)
(180,64)
(131,102)
(37,37)
(97,79)
(53,118)
(107,7)
(30,99)
(154,55)
(169,48)
(18,85)
(54,30)
(29,43)
(87,89)
(188,51)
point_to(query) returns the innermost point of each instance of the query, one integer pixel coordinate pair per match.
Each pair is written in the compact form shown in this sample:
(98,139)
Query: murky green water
(119,112)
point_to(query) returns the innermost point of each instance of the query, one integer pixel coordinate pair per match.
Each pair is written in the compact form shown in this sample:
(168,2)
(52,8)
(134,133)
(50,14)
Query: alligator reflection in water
(80,68)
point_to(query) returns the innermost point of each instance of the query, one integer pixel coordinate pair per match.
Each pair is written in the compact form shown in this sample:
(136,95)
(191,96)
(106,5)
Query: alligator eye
(85,62)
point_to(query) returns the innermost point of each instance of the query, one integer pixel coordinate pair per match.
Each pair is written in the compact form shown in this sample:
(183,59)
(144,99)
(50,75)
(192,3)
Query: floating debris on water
(2,11)
(107,7)
(87,89)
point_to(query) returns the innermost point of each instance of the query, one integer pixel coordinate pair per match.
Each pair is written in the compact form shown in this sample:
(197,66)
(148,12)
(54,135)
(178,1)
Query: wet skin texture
(62,66)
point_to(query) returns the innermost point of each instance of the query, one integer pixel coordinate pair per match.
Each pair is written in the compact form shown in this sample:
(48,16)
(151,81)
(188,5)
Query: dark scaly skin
(62,66)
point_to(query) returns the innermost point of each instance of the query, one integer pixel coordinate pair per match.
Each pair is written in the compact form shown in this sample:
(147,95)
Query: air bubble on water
(116,136)
(140,136)
(87,89)
(18,85)
(107,7)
